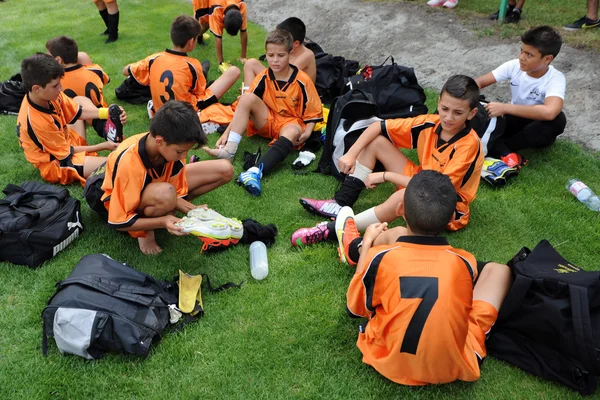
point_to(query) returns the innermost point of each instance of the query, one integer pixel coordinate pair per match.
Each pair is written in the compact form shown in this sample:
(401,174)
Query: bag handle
(113,289)
(582,324)
(384,61)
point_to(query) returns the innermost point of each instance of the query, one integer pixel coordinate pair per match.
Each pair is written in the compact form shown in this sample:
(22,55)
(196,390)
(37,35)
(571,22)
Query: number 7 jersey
(418,295)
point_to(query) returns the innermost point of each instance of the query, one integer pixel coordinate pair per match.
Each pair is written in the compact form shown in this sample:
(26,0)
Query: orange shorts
(273,125)
(482,317)
(201,10)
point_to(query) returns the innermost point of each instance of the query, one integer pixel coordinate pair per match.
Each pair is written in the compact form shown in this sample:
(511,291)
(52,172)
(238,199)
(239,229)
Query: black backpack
(549,323)
(12,93)
(132,92)
(395,89)
(313,46)
(349,116)
(331,74)
(37,221)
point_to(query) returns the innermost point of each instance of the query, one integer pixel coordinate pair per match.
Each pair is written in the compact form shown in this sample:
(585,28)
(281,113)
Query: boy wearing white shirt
(534,117)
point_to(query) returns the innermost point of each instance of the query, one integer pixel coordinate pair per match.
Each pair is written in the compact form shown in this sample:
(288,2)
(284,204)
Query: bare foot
(148,244)
(221,152)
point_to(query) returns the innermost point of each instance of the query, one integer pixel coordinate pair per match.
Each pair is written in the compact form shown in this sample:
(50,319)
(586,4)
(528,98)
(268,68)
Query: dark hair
(279,36)
(544,38)
(183,29)
(63,47)
(295,26)
(429,202)
(177,122)
(233,20)
(40,69)
(462,87)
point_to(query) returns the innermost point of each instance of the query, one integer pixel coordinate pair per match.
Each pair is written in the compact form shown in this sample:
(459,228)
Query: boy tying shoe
(444,143)
(429,306)
(146,179)
(300,56)
(534,118)
(282,104)
(231,16)
(172,75)
(86,81)
(50,124)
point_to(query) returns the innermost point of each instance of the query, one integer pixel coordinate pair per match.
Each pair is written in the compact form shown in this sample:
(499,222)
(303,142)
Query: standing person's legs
(592,10)
(113,21)
(103,13)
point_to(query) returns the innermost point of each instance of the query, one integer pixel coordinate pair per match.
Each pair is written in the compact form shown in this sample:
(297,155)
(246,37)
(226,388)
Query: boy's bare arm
(110,146)
(540,112)
(244,44)
(126,70)
(348,160)
(485,80)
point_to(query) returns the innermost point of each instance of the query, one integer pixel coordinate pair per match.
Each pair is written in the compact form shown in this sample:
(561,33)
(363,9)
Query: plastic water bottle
(584,194)
(259,265)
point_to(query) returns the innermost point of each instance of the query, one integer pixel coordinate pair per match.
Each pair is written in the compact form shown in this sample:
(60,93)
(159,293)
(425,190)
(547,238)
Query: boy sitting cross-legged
(282,104)
(172,75)
(429,306)
(50,124)
(444,143)
(146,178)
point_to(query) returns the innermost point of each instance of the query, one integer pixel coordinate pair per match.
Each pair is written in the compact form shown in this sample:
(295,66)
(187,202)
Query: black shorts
(93,192)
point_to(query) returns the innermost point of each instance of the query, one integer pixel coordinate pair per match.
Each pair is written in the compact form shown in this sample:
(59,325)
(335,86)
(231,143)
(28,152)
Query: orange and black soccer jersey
(460,158)
(85,80)
(297,99)
(418,296)
(172,75)
(201,10)
(128,172)
(217,16)
(48,142)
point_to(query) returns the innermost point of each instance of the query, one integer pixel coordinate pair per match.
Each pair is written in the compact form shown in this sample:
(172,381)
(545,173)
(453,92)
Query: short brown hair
(63,47)
(279,36)
(183,29)
(40,69)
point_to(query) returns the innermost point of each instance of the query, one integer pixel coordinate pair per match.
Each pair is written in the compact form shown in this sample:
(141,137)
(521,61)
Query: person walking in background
(588,21)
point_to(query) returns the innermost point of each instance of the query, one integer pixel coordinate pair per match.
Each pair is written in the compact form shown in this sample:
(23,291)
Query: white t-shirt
(527,90)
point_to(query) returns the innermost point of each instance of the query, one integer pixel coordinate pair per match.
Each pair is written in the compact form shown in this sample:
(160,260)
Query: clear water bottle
(584,194)
(259,265)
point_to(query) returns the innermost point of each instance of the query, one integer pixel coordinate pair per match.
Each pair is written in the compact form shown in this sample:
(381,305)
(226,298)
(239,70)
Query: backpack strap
(582,324)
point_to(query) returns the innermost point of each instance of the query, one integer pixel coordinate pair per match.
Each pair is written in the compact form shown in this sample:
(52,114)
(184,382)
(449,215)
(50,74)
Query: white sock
(255,170)
(366,218)
(361,172)
(233,140)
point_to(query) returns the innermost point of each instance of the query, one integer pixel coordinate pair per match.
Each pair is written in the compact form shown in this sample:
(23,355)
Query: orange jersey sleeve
(404,132)
(140,71)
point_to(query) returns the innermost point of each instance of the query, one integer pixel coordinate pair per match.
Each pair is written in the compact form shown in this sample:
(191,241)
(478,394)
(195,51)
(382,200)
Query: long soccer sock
(104,15)
(275,154)
(349,192)
(113,27)
(366,218)
(361,172)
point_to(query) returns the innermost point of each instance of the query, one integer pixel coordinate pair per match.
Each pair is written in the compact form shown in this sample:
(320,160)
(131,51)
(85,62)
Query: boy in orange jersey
(50,125)
(429,306)
(202,14)
(146,179)
(172,75)
(282,104)
(444,143)
(84,80)
(231,16)
(300,56)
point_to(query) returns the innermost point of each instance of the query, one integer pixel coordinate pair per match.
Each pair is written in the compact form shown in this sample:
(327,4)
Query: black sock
(349,192)
(98,125)
(275,154)
(104,15)
(113,26)
(331,236)
(354,249)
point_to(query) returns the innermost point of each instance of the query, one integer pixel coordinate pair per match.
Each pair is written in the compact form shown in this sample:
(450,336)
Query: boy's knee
(247,99)
(227,170)
(233,72)
(159,199)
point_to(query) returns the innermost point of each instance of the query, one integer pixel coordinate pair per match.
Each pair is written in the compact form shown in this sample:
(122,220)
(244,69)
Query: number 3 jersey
(172,75)
(418,295)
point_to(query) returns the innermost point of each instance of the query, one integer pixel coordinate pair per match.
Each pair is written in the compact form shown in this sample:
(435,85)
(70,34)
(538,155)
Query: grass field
(287,336)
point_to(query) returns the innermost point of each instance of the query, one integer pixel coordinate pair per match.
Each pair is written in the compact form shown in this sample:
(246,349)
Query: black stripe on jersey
(369,278)
(415,131)
(471,169)
(202,12)
(259,90)
(194,76)
(304,94)
(133,76)
(177,167)
(33,136)
(469,267)
(97,72)
(384,131)
(116,167)
(76,117)
(307,121)
(125,224)
(147,181)
(215,35)
(57,124)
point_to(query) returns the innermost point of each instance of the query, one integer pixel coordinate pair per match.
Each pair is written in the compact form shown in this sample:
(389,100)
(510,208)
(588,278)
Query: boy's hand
(495,109)
(108,145)
(169,222)
(222,141)
(242,60)
(302,138)
(374,179)
(123,117)
(346,163)
(372,232)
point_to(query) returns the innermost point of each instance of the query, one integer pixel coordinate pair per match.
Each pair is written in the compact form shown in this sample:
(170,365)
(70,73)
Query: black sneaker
(513,17)
(582,23)
(495,15)
(113,129)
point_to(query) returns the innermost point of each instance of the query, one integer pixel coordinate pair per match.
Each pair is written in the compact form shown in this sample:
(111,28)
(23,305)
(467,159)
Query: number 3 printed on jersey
(168,77)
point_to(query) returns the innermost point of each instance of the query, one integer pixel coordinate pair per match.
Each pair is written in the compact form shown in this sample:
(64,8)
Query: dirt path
(437,46)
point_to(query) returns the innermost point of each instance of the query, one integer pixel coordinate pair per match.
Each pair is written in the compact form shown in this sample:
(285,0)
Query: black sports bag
(549,323)
(37,220)
(12,93)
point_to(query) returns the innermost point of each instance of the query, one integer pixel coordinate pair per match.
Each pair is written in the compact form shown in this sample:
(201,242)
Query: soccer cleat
(514,160)
(214,229)
(582,23)
(450,3)
(345,229)
(224,66)
(113,129)
(205,215)
(496,15)
(250,179)
(324,208)
(436,3)
(513,17)
(499,168)
(307,236)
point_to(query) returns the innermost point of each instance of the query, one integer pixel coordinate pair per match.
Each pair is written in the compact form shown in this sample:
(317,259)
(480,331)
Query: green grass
(287,336)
